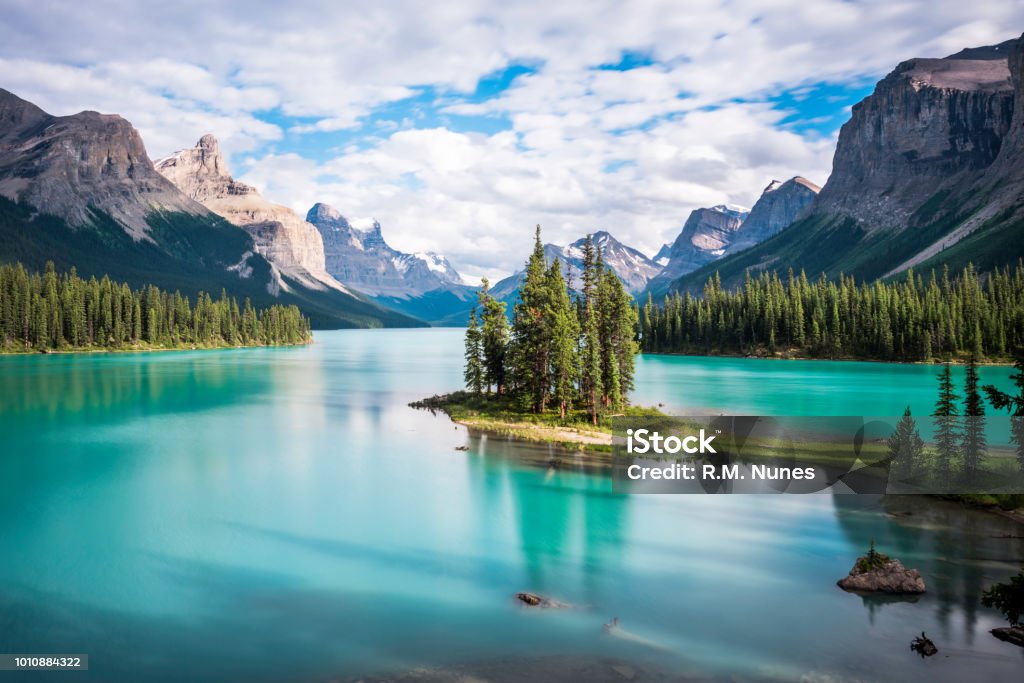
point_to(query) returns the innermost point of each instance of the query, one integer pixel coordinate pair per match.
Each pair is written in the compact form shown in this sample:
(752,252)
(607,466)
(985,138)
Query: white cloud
(696,130)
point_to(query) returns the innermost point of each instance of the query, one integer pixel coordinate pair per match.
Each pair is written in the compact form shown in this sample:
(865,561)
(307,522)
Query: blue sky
(460,125)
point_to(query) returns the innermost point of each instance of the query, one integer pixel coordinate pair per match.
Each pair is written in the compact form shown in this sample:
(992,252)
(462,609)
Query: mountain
(293,246)
(424,285)
(929,170)
(705,237)
(776,209)
(631,266)
(76,166)
(663,255)
(81,191)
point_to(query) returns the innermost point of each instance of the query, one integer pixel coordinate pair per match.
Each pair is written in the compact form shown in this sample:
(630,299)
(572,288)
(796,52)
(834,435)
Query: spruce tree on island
(974,445)
(1013,404)
(905,447)
(946,432)
(474,372)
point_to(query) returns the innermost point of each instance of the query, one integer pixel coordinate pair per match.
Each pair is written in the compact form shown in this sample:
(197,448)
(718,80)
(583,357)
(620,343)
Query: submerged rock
(889,577)
(1010,634)
(535,600)
(924,646)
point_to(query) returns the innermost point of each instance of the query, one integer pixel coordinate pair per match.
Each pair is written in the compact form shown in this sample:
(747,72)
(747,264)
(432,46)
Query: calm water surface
(280,514)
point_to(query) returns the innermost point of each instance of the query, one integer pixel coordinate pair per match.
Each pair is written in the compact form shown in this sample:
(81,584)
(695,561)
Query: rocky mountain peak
(209,143)
(374,237)
(201,171)
(363,260)
(928,171)
(17,114)
(1000,51)
(288,242)
(75,165)
(631,266)
(780,204)
(662,257)
(321,213)
(928,125)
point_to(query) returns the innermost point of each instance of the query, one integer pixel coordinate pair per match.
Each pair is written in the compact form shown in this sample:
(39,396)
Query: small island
(876,572)
(561,369)
(503,417)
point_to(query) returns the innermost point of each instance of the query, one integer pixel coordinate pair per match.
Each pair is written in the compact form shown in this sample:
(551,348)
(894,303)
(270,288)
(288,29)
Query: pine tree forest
(55,312)
(915,318)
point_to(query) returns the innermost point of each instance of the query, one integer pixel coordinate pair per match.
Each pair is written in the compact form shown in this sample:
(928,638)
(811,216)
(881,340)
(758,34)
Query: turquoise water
(280,514)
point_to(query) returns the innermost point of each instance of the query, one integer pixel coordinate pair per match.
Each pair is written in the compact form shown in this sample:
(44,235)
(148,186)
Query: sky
(461,124)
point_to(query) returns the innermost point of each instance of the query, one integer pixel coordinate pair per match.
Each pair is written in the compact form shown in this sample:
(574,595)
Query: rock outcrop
(706,236)
(70,166)
(891,577)
(289,243)
(364,261)
(924,646)
(929,125)
(535,600)
(1010,634)
(777,208)
(661,258)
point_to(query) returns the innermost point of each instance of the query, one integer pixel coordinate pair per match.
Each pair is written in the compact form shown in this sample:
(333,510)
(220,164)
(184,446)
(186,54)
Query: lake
(281,514)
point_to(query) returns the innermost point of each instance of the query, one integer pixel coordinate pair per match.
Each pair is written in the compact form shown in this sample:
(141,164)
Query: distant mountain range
(713,233)
(631,266)
(928,171)
(81,191)
(423,285)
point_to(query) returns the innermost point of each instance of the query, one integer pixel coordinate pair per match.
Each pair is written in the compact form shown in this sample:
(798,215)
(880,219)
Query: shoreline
(573,437)
(937,363)
(101,350)
(570,438)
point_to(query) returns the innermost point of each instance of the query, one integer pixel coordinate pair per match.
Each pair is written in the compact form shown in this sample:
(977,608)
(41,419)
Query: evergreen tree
(494,337)
(909,319)
(565,332)
(1013,404)
(974,422)
(591,381)
(474,372)
(905,447)
(531,336)
(946,432)
(54,311)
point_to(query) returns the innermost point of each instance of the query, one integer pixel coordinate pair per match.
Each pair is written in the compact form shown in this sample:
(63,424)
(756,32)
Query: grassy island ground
(504,416)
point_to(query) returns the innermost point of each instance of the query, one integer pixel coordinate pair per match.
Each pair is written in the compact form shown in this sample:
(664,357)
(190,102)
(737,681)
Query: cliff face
(69,165)
(706,236)
(289,243)
(778,207)
(364,261)
(928,171)
(930,125)
(1007,171)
